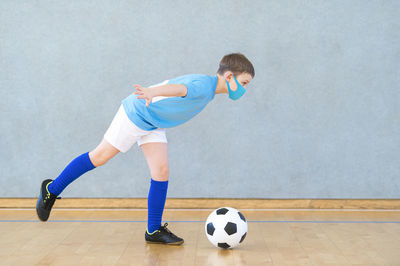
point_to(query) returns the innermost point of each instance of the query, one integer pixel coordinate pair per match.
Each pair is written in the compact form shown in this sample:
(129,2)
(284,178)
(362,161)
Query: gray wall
(320,120)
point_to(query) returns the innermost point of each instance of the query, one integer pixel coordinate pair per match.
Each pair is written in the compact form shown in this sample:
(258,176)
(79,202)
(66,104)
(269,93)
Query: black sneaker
(163,236)
(45,201)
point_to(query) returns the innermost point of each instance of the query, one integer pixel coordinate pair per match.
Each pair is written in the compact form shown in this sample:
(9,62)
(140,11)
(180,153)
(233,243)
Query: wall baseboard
(208,203)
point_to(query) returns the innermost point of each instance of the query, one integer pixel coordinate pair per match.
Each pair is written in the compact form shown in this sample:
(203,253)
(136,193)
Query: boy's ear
(228,75)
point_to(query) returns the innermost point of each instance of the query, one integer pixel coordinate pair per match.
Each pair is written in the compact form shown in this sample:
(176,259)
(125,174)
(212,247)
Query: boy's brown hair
(237,63)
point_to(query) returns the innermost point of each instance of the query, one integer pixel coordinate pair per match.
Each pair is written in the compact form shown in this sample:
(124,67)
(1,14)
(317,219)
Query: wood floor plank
(349,238)
(317,245)
(283,246)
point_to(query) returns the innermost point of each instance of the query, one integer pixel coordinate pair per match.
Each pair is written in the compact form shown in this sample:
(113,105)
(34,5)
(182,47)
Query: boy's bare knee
(97,159)
(161,173)
(102,153)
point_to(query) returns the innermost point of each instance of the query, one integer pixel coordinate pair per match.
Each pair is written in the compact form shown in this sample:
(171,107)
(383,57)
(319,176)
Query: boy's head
(237,70)
(237,64)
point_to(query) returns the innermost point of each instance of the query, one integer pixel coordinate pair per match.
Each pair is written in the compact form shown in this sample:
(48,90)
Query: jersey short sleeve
(196,89)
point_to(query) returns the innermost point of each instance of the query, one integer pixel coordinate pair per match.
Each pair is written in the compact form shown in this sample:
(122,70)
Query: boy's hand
(144,93)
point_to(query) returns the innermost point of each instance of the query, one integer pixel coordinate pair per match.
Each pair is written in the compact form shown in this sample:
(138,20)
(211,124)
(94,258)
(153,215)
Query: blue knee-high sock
(74,169)
(155,203)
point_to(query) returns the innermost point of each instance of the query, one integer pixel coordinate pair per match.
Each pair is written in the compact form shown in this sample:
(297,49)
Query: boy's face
(244,79)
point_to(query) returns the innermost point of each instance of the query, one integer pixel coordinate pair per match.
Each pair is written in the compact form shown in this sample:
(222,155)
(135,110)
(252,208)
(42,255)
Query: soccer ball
(226,227)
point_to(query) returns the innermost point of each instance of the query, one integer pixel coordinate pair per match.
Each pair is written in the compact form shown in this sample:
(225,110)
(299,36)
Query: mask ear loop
(238,93)
(238,82)
(239,85)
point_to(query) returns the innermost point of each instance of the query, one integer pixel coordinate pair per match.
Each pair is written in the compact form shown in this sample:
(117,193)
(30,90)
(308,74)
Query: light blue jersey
(165,112)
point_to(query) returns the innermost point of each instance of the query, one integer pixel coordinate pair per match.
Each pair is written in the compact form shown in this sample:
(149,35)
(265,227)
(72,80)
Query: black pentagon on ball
(243,237)
(222,211)
(230,228)
(210,229)
(242,216)
(223,245)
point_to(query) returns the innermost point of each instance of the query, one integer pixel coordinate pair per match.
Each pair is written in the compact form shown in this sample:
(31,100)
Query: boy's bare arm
(168,90)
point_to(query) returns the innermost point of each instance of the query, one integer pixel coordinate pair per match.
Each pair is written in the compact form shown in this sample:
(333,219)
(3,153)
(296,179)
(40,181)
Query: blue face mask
(235,95)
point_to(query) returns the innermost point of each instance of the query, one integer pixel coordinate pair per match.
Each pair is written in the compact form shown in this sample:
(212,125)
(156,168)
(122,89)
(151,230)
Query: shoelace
(49,200)
(166,229)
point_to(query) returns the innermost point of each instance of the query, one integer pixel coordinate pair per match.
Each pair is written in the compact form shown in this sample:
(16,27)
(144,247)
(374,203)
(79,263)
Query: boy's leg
(156,154)
(50,189)
(82,164)
(120,136)
(157,159)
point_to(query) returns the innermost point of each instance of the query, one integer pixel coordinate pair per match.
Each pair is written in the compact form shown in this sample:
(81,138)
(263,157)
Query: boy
(142,118)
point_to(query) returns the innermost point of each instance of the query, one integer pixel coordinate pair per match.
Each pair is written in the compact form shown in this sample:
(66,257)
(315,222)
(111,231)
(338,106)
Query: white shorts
(123,133)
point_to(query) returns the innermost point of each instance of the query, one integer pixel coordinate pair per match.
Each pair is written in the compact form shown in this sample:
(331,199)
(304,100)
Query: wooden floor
(275,237)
